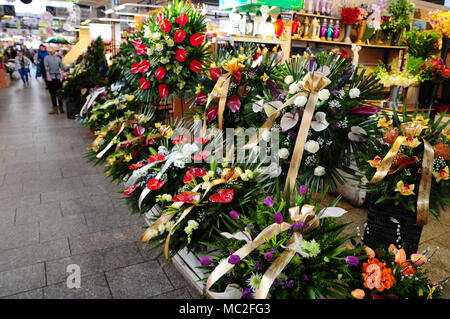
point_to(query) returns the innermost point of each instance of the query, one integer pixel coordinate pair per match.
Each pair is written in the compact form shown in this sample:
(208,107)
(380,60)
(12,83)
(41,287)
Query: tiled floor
(56,210)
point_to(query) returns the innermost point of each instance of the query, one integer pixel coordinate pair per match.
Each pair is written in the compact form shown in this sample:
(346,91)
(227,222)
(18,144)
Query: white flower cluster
(192,225)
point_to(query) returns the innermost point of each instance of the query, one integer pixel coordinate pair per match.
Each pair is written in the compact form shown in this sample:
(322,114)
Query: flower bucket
(388,224)
(412,95)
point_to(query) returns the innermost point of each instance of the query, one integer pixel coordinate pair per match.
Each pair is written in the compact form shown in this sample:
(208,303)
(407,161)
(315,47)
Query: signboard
(8,10)
(293,4)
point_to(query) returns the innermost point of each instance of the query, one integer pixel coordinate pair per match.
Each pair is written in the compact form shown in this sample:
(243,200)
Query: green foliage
(421,43)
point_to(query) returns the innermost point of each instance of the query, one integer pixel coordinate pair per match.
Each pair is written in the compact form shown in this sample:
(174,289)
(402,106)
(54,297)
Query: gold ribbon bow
(306,214)
(228,175)
(411,129)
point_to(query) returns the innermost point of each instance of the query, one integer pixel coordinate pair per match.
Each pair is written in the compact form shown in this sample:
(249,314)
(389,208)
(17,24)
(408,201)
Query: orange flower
(407,270)
(377,275)
(376,162)
(442,150)
(400,256)
(358,293)
(390,135)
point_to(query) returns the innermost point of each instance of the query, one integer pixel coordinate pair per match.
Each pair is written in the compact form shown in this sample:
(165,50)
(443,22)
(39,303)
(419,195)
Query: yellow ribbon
(306,214)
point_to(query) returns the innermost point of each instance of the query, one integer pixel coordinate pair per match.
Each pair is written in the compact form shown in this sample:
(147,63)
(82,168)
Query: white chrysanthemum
(283,153)
(293,88)
(354,93)
(188,230)
(289,79)
(323,95)
(159,47)
(161,228)
(164,60)
(179,164)
(309,248)
(319,171)
(193,224)
(312,146)
(254,281)
(300,101)
(163,150)
(156,35)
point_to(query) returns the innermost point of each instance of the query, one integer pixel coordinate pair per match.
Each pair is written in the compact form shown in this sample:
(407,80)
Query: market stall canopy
(57,40)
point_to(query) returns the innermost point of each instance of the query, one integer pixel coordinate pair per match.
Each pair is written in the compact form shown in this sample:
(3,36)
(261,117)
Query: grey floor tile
(94,262)
(32,294)
(22,279)
(91,287)
(19,236)
(51,229)
(20,201)
(7,217)
(173,274)
(111,219)
(34,213)
(182,293)
(138,281)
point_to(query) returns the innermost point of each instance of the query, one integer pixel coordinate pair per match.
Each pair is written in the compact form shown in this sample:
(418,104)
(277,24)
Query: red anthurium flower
(129,190)
(155,184)
(180,139)
(166,26)
(215,73)
(182,19)
(223,196)
(195,66)
(201,155)
(212,112)
(138,165)
(137,42)
(163,91)
(135,68)
(180,55)
(186,197)
(234,103)
(160,73)
(179,36)
(156,158)
(202,140)
(201,98)
(138,130)
(188,177)
(144,84)
(149,141)
(196,39)
(238,77)
(144,66)
(192,173)
(141,49)
(159,18)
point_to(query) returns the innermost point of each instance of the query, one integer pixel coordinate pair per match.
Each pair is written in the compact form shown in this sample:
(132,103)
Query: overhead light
(87,21)
(109,11)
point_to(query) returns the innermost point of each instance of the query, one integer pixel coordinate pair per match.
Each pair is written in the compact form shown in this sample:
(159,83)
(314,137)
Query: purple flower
(268,201)
(305,277)
(290,283)
(205,261)
(247,294)
(232,251)
(294,227)
(257,266)
(334,91)
(352,260)
(278,217)
(234,259)
(268,256)
(364,110)
(234,214)
(303,190)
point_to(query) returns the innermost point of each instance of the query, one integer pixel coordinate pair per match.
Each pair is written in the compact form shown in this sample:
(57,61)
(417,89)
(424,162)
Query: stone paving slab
(19,236)
(92,287)
(32,294)
(35,213)
(22,279)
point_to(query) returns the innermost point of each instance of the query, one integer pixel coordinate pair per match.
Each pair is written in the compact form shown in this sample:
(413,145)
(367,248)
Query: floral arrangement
(340,107)
(396,78)
(435,71)
(440,21)
(389,274)
(400,149)
(169,54)
(350,15)
(421,43)
(399,16)
(283,252)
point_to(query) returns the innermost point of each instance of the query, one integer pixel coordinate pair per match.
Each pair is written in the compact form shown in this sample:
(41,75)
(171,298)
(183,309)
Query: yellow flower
(198,89)
(382,122)
(446,134)
(443,174)
(242,57)
(213,65)
(375,162)
(405,189)
(129,97)
(93,117)
(412,142)
(127,157)
(106,115)
(264,77)
(111,160)
(421,119)
(122,106)
(158,124)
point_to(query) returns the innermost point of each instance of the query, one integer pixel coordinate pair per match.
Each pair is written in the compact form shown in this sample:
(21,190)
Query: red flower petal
(180,55)
(223,196)
(138,165)
(197,171)
(144,66)
(202,140)
(156,158)
(238,77)
(141,49)
(179,36)
(137,42)
(234,103)
(188,177)
(201,155)
(163,91)
(186,197)
(129,190)
(195,66)
(215,73)
(159,18)
(144,84)
(196,39)
(201,98)
(138,130)
(182,19)
(166,26)
(155,184)
(212,113)
(180,139)
(160,73)
(135,68)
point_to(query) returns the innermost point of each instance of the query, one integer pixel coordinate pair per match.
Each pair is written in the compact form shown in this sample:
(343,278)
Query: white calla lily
(271,107)
(289,120)
(334,212)
(320,122)
(241,235)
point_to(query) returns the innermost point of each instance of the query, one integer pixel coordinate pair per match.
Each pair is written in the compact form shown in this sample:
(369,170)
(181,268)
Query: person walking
(23,66)
(40,63)
(54,72)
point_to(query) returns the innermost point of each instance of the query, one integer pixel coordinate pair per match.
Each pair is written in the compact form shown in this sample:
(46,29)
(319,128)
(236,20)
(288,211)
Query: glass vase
(348,31)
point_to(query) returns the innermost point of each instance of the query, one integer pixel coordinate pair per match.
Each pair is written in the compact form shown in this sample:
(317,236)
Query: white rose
(179,164)
(354,93)
(163,150)
(323,95)
(157,35)
(266,135)
(289,79)
(319,171)
(193,224)
(283,153)
(293,88)
(159,47)
(170,43)
(149,51)
(300,101)
(312,146)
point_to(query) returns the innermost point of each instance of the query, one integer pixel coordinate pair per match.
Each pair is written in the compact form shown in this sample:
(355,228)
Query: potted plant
(405,167)
(398,19)
(432,74)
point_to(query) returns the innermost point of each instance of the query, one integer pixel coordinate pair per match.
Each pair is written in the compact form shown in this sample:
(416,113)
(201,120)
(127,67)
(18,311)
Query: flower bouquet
(398,19)
(283,252)
(389,274)
(349,17)
(406,169)
(435,72)
(169,54)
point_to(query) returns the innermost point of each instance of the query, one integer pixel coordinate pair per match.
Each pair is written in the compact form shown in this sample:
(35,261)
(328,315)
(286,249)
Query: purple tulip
(234,214)
(303,190)
(268,256)
(205,261)
(364,110)
(352,260)
(234,259)
(278,217)
(268,201)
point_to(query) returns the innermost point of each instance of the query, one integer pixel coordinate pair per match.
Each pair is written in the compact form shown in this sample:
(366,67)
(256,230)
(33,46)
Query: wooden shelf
(376,46)
(253,40)
(316,16)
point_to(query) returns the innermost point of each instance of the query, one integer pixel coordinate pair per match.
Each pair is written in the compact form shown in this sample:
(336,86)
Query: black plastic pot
(390,224)
(73,105)
(427,93)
